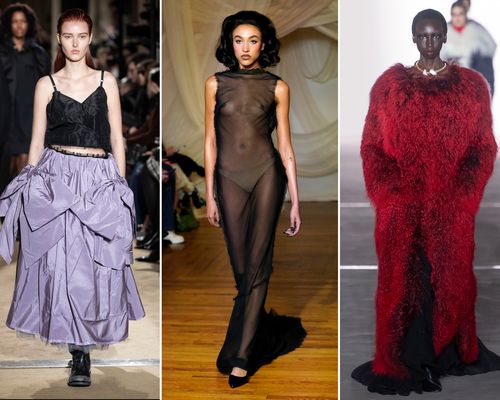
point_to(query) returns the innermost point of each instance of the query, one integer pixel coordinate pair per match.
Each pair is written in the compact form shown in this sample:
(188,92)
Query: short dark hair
(458,3)
(269,55)
(137,58)
(6,20)
(432,15)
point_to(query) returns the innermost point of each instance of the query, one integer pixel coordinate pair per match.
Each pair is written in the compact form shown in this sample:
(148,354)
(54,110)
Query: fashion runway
(198,289)
(359,277)
(128,370)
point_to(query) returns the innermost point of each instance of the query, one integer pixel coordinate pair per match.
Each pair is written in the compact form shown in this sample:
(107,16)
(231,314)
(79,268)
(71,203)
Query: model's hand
(294,221)
(212,213)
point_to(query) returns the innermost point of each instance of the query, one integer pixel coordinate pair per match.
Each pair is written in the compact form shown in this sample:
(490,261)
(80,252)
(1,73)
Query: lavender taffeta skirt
(74,283)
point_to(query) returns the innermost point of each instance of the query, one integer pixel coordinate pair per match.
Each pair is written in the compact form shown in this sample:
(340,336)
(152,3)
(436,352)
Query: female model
(24,62)
(246,181)
(74,210)
(426,163)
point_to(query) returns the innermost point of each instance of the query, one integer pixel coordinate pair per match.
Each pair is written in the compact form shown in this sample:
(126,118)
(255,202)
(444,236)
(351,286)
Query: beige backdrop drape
(308,35)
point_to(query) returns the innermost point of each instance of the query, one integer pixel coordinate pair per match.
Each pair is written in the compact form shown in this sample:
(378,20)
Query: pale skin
(247,45)
(78,81)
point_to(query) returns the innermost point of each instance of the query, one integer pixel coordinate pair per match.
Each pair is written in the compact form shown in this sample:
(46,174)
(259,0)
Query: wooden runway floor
(198,289)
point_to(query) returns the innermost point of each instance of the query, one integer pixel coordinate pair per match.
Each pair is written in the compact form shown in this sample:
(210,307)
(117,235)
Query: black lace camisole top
(74,123)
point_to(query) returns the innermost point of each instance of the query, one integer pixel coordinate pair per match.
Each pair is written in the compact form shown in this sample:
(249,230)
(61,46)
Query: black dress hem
(417,353)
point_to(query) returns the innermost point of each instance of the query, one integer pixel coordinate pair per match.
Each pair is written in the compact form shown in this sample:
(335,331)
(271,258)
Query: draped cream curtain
(308,35)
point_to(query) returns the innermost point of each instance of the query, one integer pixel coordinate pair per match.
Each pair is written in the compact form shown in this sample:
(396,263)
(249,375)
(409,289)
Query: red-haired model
(428,150)
(74,210)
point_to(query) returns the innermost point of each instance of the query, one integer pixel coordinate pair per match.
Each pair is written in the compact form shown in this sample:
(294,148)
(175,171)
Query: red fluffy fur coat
(428,150)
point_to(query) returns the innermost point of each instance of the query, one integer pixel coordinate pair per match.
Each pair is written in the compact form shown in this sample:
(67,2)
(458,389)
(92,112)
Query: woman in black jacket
(24,62)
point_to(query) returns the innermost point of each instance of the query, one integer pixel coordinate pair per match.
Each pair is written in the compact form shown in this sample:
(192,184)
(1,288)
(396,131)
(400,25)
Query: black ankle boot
(80,369)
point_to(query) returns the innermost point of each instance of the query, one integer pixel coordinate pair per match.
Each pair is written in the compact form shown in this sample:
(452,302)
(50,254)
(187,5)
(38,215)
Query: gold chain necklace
(431,71)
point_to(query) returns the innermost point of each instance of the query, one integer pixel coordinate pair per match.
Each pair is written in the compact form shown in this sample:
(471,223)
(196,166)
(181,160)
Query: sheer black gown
(250,184)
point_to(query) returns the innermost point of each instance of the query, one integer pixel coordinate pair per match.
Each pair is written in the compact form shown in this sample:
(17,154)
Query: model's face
(429,38)
(458,17)
(74,40)
(19,25)
(247,45)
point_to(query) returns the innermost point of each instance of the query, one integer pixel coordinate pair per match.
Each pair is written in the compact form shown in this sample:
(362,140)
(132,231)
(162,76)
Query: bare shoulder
(44,88)
(282,91)
(109,80)
(210,88)
(282,87)
(211,84)
(44,83)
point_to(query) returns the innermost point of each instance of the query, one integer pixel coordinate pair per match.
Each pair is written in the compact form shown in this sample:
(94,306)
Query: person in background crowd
(469,43)
(143,179)
(4,125)
(24,62)
(169,205)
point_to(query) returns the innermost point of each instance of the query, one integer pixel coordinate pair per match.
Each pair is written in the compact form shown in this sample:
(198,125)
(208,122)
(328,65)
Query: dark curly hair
(268,56)
(432,15)
(30,16)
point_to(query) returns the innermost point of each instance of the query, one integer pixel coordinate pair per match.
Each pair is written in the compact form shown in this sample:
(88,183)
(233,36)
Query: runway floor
(357,317)
(198,289)
(128,370)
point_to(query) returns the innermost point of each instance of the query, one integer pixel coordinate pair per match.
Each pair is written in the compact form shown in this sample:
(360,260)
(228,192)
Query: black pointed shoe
(237,381)
(80,369)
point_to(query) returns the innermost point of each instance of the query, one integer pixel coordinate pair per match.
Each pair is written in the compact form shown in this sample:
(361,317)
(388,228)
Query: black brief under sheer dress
(417,353)
(250,184)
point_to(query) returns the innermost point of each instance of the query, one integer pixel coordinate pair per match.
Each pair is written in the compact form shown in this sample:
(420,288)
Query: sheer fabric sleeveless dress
(250,183)
(75,218)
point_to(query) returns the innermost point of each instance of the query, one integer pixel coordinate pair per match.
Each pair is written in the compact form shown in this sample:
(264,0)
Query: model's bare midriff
(80,150)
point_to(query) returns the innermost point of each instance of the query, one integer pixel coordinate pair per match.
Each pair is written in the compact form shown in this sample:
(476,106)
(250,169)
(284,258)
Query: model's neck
(18,43)
(75,70)
(253,66)
(430,63)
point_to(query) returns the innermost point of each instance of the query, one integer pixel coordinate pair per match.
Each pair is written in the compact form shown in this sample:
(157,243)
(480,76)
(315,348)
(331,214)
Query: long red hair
(73,14)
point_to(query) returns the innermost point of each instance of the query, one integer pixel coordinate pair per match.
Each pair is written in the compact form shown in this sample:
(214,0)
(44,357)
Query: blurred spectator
(169,205)
(469,43)
(4,125)
(142,156)
(150,198)
(131,91)
(24,62)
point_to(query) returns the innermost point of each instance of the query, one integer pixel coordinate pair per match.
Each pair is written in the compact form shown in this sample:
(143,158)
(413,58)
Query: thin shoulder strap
(102,77)
(53,83)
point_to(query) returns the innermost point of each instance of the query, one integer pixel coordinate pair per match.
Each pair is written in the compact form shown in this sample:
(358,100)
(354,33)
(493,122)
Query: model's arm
(210,150)
(381,171)
(115,121)
(43,92)
(285,149)
(477,164)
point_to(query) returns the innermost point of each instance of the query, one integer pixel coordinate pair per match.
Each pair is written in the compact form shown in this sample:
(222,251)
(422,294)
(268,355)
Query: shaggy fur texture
(428,150)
